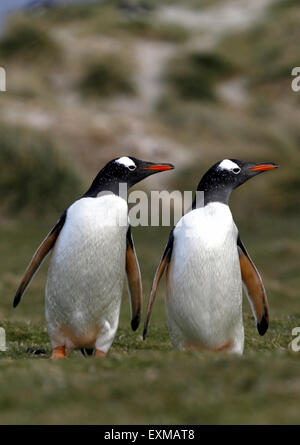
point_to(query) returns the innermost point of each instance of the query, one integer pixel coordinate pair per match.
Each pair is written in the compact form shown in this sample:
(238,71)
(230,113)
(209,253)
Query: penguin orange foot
(199,347)
(99,353)
(59,352)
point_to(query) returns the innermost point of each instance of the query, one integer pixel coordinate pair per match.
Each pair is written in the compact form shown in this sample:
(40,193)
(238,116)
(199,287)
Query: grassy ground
(148,382)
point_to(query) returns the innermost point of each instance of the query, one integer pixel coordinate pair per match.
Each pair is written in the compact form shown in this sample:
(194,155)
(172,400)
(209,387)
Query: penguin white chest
(86,273)
(204,287)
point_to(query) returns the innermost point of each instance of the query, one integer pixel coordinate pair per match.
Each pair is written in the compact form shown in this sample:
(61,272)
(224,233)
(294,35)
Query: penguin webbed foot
(99,353)
(58,353)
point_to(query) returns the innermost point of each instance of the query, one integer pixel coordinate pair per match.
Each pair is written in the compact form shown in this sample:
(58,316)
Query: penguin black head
(128,170)
(225,176)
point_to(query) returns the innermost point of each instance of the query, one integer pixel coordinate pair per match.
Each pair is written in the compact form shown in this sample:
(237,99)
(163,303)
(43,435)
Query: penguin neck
(221,196)
(214,192)
(105,183)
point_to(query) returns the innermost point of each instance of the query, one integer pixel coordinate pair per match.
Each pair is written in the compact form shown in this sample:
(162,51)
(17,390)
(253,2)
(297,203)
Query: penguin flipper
(38,257)
(254,288)
(165,259)
(134,282)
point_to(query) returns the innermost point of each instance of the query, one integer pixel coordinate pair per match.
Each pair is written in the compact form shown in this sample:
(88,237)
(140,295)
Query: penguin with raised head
(92,247)
(207,264)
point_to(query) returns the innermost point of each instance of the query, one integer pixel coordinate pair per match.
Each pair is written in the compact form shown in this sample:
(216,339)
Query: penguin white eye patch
(127,162)
(230,166)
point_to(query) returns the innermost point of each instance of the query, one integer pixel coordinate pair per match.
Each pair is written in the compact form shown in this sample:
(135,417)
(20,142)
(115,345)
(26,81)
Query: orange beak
(159,167)
(263,167)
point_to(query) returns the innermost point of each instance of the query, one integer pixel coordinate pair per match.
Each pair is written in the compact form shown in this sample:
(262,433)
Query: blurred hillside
(189,85)
(183,82)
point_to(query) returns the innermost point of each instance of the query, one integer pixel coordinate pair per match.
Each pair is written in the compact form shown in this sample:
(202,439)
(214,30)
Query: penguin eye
(131,167)
(236,170)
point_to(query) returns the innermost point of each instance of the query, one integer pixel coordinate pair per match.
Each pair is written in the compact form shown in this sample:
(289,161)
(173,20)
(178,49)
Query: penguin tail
(223,347)
(87,351)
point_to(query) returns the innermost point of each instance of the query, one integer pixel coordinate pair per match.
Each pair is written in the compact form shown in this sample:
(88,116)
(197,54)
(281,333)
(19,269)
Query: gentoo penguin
(206,264)
(92,247)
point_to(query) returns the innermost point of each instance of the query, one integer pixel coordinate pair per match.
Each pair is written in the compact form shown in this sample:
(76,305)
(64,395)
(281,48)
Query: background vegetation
(166,81)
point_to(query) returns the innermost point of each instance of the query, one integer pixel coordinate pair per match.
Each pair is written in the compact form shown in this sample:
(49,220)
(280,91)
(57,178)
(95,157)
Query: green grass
(193,76)
(148,28)
(280,5)
(30,42)
(267,52)
(110,18)
(36,176)
(108,76)
(148,382)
